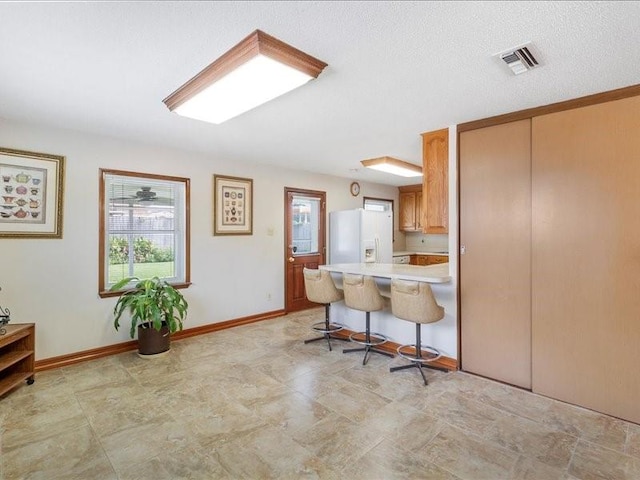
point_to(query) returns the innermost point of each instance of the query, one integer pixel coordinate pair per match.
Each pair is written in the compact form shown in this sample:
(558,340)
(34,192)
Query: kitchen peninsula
(429,274)
(398,331)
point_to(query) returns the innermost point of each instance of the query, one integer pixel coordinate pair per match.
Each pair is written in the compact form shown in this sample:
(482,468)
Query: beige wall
(54,283)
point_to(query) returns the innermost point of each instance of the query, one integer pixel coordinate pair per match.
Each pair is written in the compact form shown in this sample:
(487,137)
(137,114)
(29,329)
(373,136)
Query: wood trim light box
(393,166)
(258,69)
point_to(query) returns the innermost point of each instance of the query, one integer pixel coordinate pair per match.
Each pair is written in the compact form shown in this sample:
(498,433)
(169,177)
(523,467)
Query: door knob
(291,259)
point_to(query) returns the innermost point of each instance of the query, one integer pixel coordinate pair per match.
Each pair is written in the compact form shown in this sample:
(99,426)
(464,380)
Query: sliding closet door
(495,268)
(586,257)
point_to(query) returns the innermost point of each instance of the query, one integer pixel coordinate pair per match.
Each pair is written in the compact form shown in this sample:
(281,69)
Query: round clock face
(355,189)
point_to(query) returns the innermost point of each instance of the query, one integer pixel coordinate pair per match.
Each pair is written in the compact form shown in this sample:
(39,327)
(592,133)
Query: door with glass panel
(304,242)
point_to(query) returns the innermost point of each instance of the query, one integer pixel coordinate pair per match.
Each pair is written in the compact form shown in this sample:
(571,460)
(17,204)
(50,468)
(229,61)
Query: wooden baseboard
(94,353)
(391,347)
(214,327)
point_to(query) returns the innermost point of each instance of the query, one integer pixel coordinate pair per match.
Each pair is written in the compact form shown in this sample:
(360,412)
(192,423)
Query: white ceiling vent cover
(519,59)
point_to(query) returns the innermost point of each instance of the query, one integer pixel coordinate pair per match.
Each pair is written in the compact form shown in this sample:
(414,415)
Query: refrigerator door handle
(377,249)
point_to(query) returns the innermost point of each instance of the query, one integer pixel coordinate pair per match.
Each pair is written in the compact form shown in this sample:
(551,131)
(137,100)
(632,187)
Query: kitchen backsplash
(421,242)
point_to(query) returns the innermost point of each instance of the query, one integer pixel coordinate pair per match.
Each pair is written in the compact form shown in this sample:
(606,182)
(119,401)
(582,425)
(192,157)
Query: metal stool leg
(328,329)
(418,361)
(368,345)
(425,364)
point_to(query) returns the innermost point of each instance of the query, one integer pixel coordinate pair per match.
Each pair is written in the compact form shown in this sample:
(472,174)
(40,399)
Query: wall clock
(355,189)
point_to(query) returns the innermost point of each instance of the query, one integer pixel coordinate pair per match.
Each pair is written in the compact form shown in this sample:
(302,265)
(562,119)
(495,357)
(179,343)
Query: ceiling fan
(144,196)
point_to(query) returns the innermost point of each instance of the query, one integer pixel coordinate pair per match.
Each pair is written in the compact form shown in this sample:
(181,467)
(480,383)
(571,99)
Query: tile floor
(255,402)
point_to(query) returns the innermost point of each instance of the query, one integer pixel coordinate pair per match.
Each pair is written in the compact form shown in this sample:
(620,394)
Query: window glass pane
(306,224)
(144,228)
(378,205)
(153,256)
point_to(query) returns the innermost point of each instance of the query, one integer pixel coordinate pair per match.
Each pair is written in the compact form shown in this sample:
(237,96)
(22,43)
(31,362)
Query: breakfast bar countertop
(428,274)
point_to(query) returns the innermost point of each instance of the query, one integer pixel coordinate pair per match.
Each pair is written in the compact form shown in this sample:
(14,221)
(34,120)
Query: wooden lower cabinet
(437,259)
(17,356)
(428,259)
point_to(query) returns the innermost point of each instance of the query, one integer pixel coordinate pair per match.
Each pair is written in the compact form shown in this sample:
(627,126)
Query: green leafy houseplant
(152,303)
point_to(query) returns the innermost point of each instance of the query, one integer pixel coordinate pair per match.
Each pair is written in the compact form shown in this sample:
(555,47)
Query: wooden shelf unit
(17,356)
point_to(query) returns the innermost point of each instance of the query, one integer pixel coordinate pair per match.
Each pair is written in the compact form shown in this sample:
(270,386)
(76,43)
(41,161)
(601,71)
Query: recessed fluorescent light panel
(393,166)
(258,69)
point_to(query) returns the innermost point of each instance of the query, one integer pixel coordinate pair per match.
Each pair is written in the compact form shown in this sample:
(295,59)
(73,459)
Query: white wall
(423,242)
(54,283)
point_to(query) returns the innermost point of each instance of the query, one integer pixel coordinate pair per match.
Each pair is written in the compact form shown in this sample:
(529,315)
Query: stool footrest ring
(427,353)
(374,338)
(321,327)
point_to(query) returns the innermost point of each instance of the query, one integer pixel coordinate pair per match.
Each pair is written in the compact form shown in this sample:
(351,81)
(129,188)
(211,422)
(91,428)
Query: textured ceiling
(396,69)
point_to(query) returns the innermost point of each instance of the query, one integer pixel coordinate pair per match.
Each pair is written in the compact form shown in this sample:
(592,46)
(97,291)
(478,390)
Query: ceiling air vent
(519,59)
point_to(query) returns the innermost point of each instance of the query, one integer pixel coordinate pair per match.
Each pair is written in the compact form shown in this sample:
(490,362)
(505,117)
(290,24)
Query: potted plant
(157,310)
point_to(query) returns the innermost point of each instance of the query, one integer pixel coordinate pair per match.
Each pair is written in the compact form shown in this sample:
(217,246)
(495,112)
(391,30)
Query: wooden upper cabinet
(435,157)
(410,198)
(419,211)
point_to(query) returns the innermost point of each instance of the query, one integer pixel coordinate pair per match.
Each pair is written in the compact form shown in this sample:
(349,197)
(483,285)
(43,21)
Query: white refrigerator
(360,236)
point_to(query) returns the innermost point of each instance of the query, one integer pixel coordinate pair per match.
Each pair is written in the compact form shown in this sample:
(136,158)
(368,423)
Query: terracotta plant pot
(152,341)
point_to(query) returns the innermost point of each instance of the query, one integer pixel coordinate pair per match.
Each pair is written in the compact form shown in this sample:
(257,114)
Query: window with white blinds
(144,227)
(380,205)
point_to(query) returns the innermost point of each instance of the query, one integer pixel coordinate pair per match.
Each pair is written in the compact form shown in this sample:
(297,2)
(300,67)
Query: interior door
(495,267)
(586,257)
(305,220)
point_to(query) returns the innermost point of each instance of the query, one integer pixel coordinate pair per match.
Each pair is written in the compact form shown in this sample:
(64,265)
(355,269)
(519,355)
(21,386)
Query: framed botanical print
(232,205)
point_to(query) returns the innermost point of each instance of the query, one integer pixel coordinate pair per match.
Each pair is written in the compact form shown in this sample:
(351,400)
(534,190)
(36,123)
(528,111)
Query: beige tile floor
(255,402)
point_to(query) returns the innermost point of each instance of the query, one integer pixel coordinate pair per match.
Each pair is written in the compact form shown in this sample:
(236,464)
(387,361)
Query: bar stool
(361,293)
(414,301)
(320,288)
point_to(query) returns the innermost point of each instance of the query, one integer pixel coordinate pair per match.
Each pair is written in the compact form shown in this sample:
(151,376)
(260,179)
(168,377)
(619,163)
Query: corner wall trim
(94,353)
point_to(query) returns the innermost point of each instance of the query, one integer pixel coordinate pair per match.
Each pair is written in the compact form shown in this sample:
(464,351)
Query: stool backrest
(414,301)
(361,293)
(319,286)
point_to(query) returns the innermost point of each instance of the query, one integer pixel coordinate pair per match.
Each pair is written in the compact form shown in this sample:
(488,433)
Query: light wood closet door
(586,257)
(495,270)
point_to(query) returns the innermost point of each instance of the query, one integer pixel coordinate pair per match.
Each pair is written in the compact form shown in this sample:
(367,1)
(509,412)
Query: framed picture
(232,205)
(31,194)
